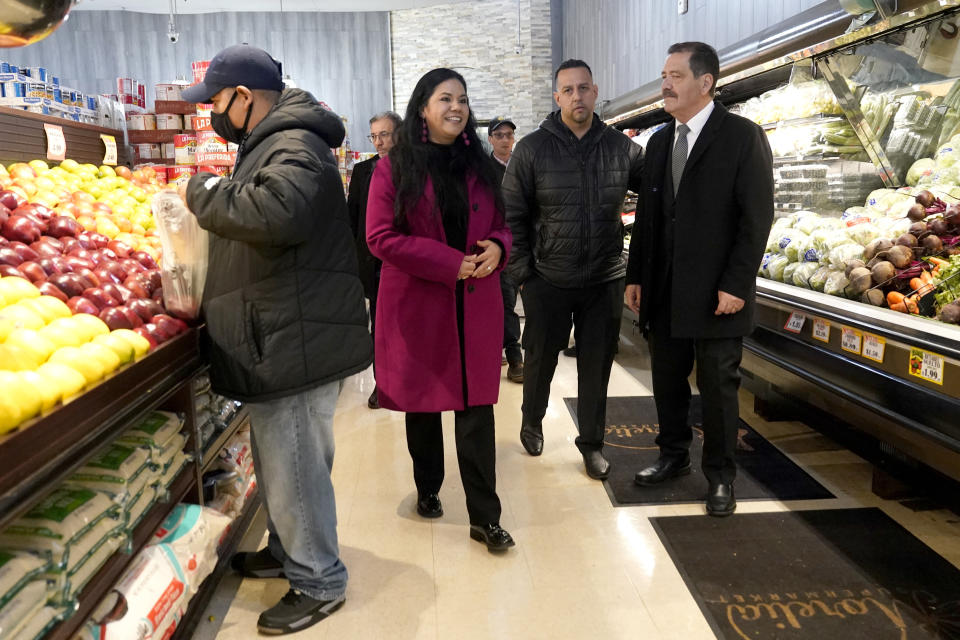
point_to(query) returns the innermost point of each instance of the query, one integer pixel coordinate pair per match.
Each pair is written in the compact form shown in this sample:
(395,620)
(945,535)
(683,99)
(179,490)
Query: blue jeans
(292,440)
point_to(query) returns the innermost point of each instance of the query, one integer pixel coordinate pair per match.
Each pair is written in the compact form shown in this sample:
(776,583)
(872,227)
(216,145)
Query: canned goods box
(169,121)
(141,122)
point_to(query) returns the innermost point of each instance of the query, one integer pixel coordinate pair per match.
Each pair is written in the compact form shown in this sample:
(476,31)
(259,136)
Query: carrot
(894,297)
(921,286)
(938,262)
(911,302)
(926,277)
(899,306)
(916,284)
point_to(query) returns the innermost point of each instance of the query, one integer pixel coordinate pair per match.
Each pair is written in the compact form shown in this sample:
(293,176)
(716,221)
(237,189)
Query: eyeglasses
(386,135)
(506,135)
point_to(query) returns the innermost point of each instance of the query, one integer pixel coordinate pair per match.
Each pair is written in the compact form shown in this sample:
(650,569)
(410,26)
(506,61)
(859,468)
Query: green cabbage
(920,170)
(839,256)
(863,233)
(818,278)
(776,266)
(836,283)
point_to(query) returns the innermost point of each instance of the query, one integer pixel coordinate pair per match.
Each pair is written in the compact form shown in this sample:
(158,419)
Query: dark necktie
(679,156)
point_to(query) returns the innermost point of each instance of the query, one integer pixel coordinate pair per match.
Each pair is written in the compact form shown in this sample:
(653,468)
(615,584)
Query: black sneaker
(257,564)
(570,352)
(296,611)
(373,402)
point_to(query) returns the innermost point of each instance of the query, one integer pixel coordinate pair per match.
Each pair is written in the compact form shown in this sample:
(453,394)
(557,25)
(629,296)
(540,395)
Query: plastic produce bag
(836,283)
(819,278)
(802,274)
(776,266)
(839,256)
(863,233)
(183,266)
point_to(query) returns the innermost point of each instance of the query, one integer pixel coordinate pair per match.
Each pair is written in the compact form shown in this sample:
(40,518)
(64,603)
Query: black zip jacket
(564,198)
(283,303)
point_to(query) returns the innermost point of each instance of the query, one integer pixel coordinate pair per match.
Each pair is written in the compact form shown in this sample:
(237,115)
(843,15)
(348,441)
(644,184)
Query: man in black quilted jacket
(564,190)
(285,314)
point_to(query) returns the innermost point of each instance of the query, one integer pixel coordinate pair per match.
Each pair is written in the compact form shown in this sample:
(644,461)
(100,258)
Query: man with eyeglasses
(500,135)
(383,127)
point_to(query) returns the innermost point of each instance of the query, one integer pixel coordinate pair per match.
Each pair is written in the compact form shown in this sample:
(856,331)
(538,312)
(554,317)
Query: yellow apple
(23,393)
(63,332)
(49,394)
(89,325)
(39,347)
(16,358)
(118,345)
(15,289)
(23,317)
(9,410)
(67,380)
(48,307)
(140,344)
(80,360)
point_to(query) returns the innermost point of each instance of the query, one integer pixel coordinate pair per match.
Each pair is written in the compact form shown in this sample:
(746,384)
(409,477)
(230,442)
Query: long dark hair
(409,156)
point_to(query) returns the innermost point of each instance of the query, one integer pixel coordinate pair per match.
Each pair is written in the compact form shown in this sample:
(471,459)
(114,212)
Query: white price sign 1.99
(110,147)
(795,322)
(56,143)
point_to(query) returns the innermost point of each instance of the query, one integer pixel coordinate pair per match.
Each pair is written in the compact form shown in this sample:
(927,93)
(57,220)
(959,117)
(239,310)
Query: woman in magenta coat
(435,219)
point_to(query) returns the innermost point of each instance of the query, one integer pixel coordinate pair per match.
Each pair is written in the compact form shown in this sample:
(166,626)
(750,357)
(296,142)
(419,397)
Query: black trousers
(511,321)
(476,456)
(373,311)
(595,312)
(718,378)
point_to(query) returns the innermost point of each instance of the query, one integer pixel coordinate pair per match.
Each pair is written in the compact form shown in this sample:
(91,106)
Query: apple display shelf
(22,138)
(39,455)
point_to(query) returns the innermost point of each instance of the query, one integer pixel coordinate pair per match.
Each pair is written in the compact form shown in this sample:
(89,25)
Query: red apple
(10,271)
(145,259)
(79,262)
(107,254)
(33,271)
(56,242)
(70,283)
(139,288)
(145,308)
(153,332)
(48,289)
(135,320)
(4,214)
(132,266)
(45,249)
(79,304)
(11,199)
(106,275)
(120,248)
(100,240)
(157,295)
(100,298)
(50,268)
(85,241)
(155,278)
(118,291)
(24,251)
(150,337)
(29,210)
(115,319)
(63,265)
(10,257)
(69,244)
(88,275)
(62,226)
(115,268)
(169,324)
(86,254)
(21,228)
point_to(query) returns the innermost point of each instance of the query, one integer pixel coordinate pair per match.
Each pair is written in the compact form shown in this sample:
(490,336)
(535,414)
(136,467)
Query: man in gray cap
(500,134)
(285,314)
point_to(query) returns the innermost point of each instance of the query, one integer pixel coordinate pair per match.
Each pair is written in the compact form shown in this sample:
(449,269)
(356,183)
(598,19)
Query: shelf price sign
(110,145)
(795,322)
(850,340)
(926,365)
(873,347)
(821,330)
(56,143)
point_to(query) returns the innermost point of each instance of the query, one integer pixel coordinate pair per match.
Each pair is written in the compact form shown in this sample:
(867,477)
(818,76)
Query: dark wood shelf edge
(116,133)
(110,573)
(210,453)
(198,604)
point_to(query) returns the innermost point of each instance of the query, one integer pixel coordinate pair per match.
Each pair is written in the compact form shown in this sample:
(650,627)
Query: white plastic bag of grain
(58,523)
(164,457)
(16,570)
(180,459)
(139,506)
(17,612)
(146,602)
(78,577)
(36,626)
(193,533)
(113,471)
(153,431)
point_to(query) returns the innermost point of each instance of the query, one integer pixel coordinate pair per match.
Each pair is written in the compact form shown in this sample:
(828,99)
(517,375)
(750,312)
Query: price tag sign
(795,322)
(850,340)
(110,144)
(873,347)
(821,330)
(56,143)
(926,365)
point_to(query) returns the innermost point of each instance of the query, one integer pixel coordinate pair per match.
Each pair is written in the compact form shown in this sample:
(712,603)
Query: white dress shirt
(696,124)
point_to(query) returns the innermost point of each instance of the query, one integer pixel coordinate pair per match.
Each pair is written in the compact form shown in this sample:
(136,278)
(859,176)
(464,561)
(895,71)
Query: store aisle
(581,568)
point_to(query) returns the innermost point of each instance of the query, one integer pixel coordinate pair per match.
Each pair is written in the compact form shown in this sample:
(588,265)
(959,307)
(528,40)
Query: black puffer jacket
(283,304)
(564,198)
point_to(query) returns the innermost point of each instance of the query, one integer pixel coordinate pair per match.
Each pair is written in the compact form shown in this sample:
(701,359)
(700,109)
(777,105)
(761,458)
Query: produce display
(901,251)
(792,101)
(80,289)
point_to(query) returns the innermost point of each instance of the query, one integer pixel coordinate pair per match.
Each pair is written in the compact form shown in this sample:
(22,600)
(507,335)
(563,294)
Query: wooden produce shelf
(22,138)
(175,106)
(41,453)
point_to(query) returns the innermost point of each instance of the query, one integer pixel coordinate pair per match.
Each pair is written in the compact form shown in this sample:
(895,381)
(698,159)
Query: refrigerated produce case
(849,116)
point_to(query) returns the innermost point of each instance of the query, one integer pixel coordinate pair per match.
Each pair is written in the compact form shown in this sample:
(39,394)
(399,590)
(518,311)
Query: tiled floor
(581,568)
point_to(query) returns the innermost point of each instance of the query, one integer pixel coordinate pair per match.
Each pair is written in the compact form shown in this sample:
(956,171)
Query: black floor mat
(763,472)
(845,574)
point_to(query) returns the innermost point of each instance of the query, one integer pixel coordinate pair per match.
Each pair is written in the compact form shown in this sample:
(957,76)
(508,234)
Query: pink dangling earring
(423,134)
(466,140)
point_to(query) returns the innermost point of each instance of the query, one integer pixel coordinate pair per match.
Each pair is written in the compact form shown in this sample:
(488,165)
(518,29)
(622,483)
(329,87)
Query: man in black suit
(500,135)
(383,127)
(702,221)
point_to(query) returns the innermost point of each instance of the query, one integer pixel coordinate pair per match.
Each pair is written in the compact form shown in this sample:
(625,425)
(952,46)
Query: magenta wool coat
(417,346)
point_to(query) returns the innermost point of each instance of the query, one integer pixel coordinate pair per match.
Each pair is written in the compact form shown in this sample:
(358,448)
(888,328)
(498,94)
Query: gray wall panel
(342,58)
(625,41)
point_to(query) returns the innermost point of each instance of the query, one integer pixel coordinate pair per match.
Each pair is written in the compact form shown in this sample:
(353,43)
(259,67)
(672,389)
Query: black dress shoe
(492,535)
(570,352)
(531,437)
(429,506)
(515,372)
(720,500)
(596,465)
(373,402)
(662,469)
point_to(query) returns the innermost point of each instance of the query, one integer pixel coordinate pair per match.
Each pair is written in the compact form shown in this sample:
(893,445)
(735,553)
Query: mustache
(669,94)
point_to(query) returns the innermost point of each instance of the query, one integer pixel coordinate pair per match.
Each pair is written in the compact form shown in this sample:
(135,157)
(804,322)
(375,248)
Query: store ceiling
(211,6)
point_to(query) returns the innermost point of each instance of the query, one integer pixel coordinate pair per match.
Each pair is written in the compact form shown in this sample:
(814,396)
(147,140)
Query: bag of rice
(16,614)
(113,471)
(16,570)
(139,506)
(193,533)
(77,578)
(162,458)
(59,523)
(153,431)
(39,624)
(180,460)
